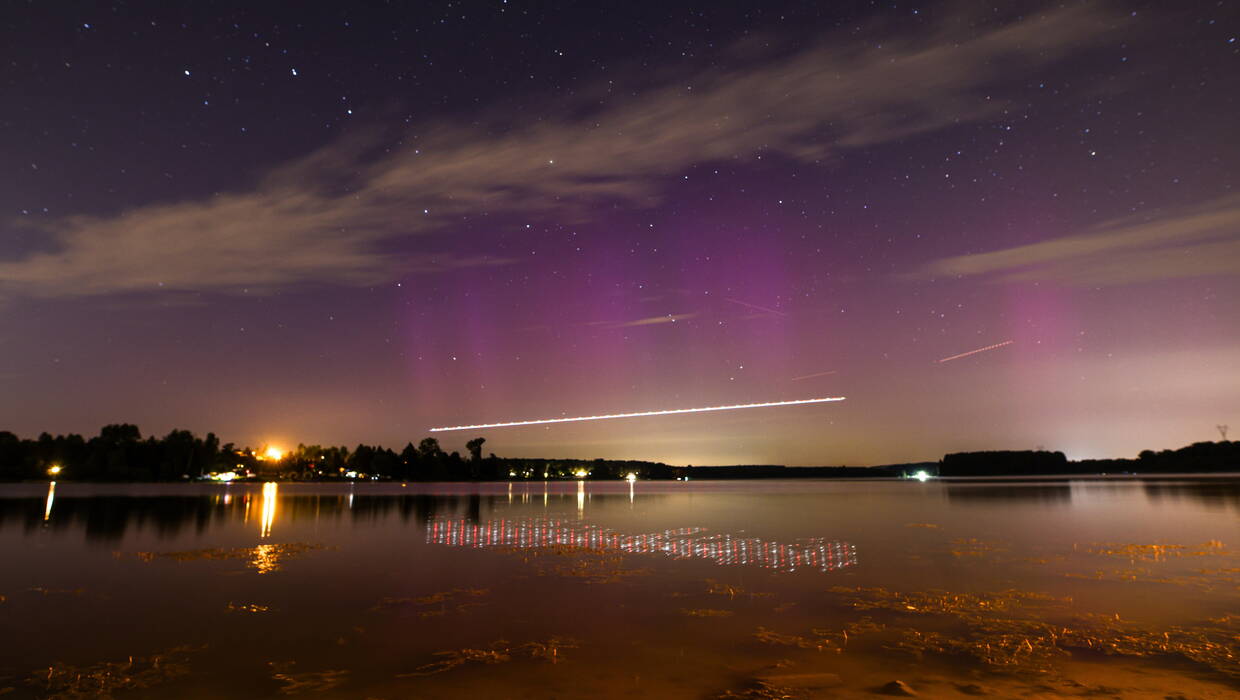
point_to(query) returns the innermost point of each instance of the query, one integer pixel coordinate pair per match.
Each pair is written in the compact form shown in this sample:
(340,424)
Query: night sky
(351,222)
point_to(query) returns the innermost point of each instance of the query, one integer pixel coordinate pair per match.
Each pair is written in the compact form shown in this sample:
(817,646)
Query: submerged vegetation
(948,604)
(572,561)
(497,652)
(1024,636)
(265,558)
(1024,632)
(305,682)
(103,679)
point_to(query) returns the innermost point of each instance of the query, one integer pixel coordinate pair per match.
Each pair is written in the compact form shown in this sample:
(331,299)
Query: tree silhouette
(429,448)
(433,459)
(409,462)
(475,448)
(475,457)
(119,453)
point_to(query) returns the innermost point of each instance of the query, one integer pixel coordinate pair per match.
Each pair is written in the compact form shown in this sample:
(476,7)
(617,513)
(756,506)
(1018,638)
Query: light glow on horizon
(639,414)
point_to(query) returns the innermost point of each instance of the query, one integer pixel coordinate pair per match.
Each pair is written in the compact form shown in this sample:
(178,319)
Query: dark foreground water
(668,590)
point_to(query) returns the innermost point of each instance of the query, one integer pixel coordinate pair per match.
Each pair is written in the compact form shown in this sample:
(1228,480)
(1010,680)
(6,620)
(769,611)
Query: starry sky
(351,222)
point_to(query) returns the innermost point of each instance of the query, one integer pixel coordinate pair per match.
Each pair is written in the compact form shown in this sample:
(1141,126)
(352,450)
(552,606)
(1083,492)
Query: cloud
(334,216)
(1195,242)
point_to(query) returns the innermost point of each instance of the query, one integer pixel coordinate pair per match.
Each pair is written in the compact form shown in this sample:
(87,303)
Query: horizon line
(638,414)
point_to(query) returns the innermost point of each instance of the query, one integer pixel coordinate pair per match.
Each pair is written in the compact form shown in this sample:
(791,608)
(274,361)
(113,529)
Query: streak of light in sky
(755,306)
(639,414)
(811,376)
(974,352)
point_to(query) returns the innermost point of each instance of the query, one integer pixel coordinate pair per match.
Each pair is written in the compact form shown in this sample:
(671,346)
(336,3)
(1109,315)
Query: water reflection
(104,514)
(682,543)
(1212,494)
(990,493)
(271,497)
(265,558)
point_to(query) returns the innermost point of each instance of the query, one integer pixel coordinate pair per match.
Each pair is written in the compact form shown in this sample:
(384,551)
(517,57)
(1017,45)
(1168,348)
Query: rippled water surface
(760,589)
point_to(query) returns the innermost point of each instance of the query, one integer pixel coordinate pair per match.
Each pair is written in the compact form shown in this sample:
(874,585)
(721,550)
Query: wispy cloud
(1196,242)
(331,217)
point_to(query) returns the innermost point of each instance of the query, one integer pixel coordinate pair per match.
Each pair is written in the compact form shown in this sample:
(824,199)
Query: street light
(53,470)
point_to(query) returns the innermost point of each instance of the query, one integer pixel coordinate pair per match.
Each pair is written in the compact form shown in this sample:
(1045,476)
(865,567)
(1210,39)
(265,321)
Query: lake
(742,589)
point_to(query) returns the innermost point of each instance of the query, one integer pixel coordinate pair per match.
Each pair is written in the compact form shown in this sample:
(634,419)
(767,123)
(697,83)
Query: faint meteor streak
(974,352)
(811,376)
(639,414)
(755,306)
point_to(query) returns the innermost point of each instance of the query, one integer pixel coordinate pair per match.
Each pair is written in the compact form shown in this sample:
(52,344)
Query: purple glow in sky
(339,225)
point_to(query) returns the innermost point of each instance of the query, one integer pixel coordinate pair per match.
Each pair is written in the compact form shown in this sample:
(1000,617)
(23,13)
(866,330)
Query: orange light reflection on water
(51,498)
(270,496)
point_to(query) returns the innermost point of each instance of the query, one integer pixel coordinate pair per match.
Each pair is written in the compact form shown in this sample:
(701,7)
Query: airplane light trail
(639,414)
(811,376)
(974,352)
(755,306)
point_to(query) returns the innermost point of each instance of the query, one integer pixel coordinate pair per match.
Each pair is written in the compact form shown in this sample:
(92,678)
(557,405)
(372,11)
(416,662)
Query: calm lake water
(608,590)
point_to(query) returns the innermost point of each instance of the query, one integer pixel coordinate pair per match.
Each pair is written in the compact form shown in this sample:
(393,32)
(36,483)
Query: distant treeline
(775,471)
(120,453)
(1196,458)
(1003,463)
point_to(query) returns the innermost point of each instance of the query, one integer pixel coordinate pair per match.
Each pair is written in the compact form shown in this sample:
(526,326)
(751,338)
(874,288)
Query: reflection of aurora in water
(682,543)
